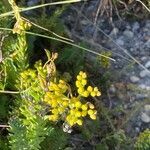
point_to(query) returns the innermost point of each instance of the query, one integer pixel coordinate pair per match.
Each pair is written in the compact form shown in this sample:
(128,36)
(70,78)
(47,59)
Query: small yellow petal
(84,75)
(78,114)
(78,104)
(90,89)
(93,94)
(79,122)
(81,72)
(78,84)
(79,77)
(91,106)
(93,117)
(80,90)
(84,107)
(85,94)
(83,82)
(84,113)
(90,112)
(98,93)
(95,89)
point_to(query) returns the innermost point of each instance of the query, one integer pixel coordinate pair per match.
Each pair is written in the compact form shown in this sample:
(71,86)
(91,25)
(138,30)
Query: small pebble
(120,42)
(144,73)
(128,34)
(147,109)
(145,118)
(112,89)
(147,65)
(114,32)
(136,26)
(134,79)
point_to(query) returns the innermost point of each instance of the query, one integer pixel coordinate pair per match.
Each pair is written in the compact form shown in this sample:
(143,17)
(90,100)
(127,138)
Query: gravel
(134,79)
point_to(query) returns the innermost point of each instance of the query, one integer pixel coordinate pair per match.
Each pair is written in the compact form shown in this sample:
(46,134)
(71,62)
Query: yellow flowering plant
(65,106)
(43,84)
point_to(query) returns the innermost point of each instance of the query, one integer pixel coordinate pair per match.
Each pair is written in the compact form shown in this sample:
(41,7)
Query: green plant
(143,140)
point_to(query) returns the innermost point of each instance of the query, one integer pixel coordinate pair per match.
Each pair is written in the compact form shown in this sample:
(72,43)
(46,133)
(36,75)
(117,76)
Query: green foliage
(4,108)
(27,133)
(103,61)
(56,140)
(71,59)
(50,22)
(143,140)
(4,144)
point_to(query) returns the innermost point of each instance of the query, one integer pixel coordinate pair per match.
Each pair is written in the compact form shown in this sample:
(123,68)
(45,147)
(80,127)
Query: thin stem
(4,126)
(40,27)
(144,5)
(39,6)
(9,92)
(66,42)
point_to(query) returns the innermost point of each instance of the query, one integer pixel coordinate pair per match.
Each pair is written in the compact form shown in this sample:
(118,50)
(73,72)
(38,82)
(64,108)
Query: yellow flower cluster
(79,110)
(81,82)
(69,108)
(56,98)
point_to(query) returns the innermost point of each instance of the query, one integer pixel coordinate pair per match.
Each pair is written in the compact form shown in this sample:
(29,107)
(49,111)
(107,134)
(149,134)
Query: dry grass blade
(144,5)
(63,41)
(39,6)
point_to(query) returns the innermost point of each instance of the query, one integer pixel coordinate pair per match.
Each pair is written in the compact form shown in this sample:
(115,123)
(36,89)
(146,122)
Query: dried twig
(4,126)
(144,5)
(1,44)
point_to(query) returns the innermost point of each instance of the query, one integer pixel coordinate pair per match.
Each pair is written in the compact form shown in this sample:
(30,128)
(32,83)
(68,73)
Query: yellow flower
(93,93)
(79,122)
(78,114)
(85,94)
(90,112)
(79,77)
(91,106)
(93,117)
(55,111)
(78,84)
(83,82)
(98,93)
(84,107)
(78,104)
(81,72)
(80,90)
(65,103)
(95,89)
(90,89)
(84,75)
(53,117)
(84,113)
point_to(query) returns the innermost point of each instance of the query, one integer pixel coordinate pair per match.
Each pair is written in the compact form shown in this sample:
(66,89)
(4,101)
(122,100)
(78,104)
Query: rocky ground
(129,43)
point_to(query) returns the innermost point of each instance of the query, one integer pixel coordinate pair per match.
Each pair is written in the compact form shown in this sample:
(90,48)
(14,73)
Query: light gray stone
(144,73)
(145,118)
(114,32)
(120,42)
(134,79)
(112,89)
(147,65)
(128,34)
(147,109)
(136,26)
(147,44)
